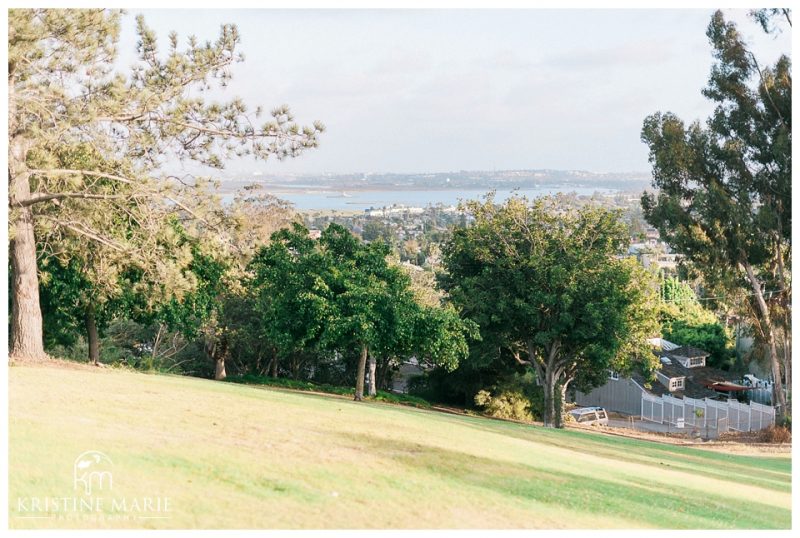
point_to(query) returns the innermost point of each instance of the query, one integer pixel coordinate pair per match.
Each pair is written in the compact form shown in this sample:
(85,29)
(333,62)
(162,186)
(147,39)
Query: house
(683,392)
(655,254)
(682,373)
(408,370)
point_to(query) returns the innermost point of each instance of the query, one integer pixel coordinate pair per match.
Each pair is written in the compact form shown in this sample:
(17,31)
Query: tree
(397,315)
(63,93)
(290,297)
(339,295)
(546,285)
(363,287)
(684,321)
(724,198)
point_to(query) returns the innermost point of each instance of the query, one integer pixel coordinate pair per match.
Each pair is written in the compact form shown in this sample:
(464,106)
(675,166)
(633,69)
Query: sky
(444,90)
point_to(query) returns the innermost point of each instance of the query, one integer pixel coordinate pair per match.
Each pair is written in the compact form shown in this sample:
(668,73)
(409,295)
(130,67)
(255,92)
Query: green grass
(295,384)
(238,456)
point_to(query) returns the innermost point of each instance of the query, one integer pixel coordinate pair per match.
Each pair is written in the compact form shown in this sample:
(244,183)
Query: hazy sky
(442,90)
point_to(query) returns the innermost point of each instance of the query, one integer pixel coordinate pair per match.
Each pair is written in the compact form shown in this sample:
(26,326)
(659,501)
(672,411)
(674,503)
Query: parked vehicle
(590,416)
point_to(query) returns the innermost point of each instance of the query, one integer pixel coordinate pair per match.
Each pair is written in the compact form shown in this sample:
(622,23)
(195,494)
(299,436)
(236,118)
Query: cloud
(628,55)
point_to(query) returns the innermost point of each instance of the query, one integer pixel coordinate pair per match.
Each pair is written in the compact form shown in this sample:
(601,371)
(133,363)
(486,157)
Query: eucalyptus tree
(547,286)
(724,188)
(64,93)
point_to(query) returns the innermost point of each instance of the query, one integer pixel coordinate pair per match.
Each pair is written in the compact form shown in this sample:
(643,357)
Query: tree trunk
(151,364)
(219,371)
(549,405)
(383,374)
(786,304)
(273,364)
(27,341)
(362,366)
(91,336)
(219,352)
(787,358)
(548,370)
(778,397)
(373,378)
(559,405)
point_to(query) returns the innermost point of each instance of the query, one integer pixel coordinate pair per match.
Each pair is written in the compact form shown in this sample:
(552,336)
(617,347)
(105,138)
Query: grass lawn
(236,456)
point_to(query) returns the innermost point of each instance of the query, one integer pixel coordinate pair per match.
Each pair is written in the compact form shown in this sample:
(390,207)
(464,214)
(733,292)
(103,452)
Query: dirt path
(730,447)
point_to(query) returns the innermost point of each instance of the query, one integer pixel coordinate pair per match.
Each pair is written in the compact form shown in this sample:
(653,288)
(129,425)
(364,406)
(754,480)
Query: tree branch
(87,233)
(58,196)
(520,360)
(92,173)
(766,90)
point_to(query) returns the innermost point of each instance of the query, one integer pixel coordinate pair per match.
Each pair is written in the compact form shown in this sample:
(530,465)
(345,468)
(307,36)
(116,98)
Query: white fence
(738,416)
(652,408)
(708,414)
(673,409)
(695,411)
(762,395)
(761,416)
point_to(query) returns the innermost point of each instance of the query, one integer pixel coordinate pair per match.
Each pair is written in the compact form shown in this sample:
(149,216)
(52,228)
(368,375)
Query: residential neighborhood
(682,379)
(278,268)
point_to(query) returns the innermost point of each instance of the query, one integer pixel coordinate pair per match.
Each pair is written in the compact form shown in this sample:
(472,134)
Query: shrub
(787,422)
(775,434)
(507,404)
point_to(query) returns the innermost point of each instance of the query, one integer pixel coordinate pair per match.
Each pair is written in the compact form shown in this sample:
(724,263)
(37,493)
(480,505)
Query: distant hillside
(502,179)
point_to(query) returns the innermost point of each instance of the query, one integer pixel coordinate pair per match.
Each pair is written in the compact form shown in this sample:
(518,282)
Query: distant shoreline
(337,192)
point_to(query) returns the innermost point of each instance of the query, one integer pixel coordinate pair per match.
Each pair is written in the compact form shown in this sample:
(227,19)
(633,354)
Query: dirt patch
(52,362)
(744,444)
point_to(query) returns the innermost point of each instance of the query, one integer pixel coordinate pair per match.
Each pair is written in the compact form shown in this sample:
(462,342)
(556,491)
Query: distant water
(361,200)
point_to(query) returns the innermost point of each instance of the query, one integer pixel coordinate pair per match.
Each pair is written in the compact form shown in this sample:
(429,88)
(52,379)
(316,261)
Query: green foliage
(547,286)
(189,313)
(684,321)
(63,295)
(87,149)
(376,230)
(291,299)
(723,196)
(675,291)
(509,404)
(338,294)
(711,337)
(442,336)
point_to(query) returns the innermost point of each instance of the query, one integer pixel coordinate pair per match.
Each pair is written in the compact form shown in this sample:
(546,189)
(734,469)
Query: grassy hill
(234,456)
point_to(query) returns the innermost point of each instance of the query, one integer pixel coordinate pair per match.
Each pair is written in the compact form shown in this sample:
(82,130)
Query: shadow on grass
(647,504)
(766,472)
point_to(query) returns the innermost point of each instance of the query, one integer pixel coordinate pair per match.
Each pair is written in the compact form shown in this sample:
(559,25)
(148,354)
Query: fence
(762,395)
(707,414)
(738,416)
(673,409)
(695,411)
(761,415)
(652,408)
